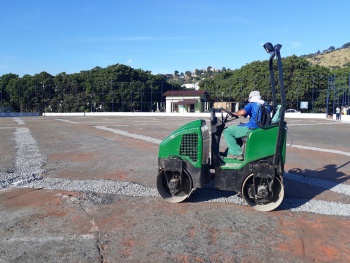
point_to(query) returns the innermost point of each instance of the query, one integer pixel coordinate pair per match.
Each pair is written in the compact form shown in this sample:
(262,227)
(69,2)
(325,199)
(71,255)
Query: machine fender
(264,170)
(173,163)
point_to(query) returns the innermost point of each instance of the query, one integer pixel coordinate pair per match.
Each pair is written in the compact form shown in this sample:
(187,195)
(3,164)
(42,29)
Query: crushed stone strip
(19,121)
(98,186)
(28,160)
(325,184)
(45,239)
(205,195)
(316,206)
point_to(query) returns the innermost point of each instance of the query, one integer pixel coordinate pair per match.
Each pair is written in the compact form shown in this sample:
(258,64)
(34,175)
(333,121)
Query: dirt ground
(43,225)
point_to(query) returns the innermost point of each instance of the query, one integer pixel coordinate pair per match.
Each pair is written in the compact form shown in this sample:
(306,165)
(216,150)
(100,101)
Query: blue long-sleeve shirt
(252,111)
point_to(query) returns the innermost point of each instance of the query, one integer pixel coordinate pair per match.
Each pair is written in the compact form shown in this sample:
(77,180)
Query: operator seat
(264,120)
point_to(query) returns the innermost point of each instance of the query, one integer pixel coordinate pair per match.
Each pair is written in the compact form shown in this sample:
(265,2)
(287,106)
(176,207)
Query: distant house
(183,101)
(191,86)
(231,106)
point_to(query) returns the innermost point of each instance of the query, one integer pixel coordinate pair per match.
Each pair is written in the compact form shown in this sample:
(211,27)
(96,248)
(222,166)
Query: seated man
(231,133)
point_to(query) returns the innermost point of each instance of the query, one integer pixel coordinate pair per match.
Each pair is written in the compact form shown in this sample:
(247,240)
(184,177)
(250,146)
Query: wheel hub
(262,191)
(174,185)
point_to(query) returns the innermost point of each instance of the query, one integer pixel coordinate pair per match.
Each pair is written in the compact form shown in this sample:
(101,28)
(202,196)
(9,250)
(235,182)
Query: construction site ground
(55,224)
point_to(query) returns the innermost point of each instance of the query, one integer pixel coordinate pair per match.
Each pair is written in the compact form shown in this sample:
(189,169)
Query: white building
(183,101)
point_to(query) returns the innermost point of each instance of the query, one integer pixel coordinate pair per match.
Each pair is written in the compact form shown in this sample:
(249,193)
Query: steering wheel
(229,113)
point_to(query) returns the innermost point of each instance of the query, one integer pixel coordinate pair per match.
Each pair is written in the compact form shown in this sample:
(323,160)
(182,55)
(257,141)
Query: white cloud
(129,61)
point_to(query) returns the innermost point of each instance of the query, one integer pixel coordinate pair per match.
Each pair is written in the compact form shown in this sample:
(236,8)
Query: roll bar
(275,52)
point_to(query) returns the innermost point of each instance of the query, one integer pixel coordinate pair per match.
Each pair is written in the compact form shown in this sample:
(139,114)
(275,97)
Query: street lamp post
(313,88)
(333,87)
(42,96)
(1,96)
(349,93)
(141,99)
(298,94)
(91,102)
(27,99)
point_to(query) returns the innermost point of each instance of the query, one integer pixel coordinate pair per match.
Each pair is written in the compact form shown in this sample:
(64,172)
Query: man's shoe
(224,154)
(238,157)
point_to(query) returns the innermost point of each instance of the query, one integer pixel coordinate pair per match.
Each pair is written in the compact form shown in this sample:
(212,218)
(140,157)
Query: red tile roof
(186,102)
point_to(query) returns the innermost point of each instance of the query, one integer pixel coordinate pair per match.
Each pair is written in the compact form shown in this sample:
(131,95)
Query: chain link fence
(309,94)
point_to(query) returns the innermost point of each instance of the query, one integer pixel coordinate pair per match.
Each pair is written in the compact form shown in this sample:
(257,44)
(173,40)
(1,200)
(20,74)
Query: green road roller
(190,157)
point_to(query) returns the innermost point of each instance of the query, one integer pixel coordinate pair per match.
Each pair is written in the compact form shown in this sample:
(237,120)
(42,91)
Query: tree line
(115,88)
(122,88)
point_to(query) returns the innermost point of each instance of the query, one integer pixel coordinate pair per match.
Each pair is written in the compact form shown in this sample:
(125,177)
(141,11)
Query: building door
(191,107)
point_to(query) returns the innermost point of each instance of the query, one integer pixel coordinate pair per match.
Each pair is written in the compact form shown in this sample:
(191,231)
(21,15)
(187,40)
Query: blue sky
(162,36)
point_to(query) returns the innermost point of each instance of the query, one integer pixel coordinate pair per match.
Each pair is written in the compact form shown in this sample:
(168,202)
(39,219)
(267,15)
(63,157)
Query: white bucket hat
(254,95)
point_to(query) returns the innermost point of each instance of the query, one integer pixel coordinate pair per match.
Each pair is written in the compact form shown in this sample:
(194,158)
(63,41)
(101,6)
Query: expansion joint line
(96,231)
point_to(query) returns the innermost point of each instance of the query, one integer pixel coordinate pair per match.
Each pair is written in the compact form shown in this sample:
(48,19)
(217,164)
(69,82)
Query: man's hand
(240,113)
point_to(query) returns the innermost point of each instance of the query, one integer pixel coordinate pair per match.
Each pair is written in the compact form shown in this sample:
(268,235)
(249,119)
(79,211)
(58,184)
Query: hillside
(335,59)
(330,58)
